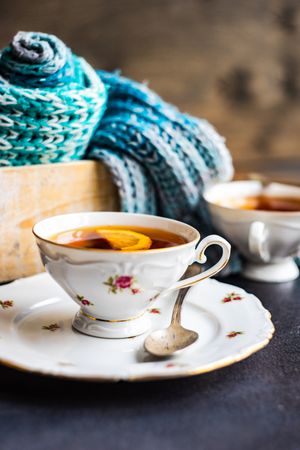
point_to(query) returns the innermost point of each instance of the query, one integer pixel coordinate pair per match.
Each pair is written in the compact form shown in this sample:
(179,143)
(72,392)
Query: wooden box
(29,194)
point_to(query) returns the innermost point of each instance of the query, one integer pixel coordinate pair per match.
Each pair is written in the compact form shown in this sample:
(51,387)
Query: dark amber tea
(105,237)
(265,203)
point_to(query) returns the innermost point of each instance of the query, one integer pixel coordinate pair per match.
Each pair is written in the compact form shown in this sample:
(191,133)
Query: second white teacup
(115,288)
(269,240)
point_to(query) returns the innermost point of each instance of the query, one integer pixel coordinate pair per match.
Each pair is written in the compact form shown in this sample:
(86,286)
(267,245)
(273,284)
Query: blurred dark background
(234,62)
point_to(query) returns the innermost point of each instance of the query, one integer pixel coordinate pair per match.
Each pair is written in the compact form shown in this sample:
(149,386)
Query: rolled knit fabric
(51,101)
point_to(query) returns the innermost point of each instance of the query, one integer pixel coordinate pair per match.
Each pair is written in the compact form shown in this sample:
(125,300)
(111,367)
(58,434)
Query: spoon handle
(176,315)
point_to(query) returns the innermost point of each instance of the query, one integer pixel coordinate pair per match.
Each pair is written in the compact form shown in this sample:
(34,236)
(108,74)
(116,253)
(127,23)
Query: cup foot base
(280,272)
(110,330)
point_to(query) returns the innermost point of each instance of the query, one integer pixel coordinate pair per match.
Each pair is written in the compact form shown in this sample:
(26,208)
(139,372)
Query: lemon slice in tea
(125,240)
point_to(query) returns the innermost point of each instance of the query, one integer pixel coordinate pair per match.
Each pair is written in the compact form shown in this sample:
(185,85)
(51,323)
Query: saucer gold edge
(188,373)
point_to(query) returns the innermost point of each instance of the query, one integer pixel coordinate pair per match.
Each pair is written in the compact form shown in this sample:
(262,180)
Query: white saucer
(36,334)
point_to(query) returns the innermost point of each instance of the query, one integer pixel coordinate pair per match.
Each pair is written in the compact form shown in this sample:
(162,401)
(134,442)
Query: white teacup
(113,288)
(267,239)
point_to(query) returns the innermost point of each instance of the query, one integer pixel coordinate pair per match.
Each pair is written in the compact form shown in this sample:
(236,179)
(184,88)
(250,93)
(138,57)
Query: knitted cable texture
(160,158)
(51,101)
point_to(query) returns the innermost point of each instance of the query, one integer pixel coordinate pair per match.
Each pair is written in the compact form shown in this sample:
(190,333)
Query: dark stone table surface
(252,405)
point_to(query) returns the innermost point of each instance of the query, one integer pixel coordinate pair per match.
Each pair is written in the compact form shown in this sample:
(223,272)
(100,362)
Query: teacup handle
(200,257)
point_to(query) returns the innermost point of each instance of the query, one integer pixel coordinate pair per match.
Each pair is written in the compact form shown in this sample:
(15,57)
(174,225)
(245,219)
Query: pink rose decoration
(84,301)
(123,281)
(117,283)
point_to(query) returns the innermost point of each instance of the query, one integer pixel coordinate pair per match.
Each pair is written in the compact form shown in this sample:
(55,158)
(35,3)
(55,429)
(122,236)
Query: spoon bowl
(169,340)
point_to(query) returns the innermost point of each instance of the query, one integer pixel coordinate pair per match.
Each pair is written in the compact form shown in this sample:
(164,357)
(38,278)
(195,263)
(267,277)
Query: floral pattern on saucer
(52,327)
(154,311)
(171,365)
(233,334)
(233,296)
(5,304)
(119,283)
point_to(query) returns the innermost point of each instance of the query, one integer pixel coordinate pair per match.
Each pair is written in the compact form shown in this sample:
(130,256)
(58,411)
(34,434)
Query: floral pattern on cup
(119,283)
(233,296)
(84,301)
(233,334)
(52,327)
(5,304)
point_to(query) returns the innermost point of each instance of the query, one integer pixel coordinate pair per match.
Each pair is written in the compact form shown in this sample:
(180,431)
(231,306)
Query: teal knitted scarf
(51,101)
(54,107)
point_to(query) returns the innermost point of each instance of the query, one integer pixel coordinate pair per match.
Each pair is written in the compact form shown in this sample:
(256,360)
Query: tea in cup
(114,265)
(263,223)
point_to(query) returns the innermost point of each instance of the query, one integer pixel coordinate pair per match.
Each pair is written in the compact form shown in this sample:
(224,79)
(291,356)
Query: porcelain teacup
(269,240)
(114,288)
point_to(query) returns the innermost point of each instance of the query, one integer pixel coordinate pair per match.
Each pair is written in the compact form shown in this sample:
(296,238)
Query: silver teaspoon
(174,338)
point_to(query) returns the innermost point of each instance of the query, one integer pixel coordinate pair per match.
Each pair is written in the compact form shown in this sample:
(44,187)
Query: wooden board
(29,194)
